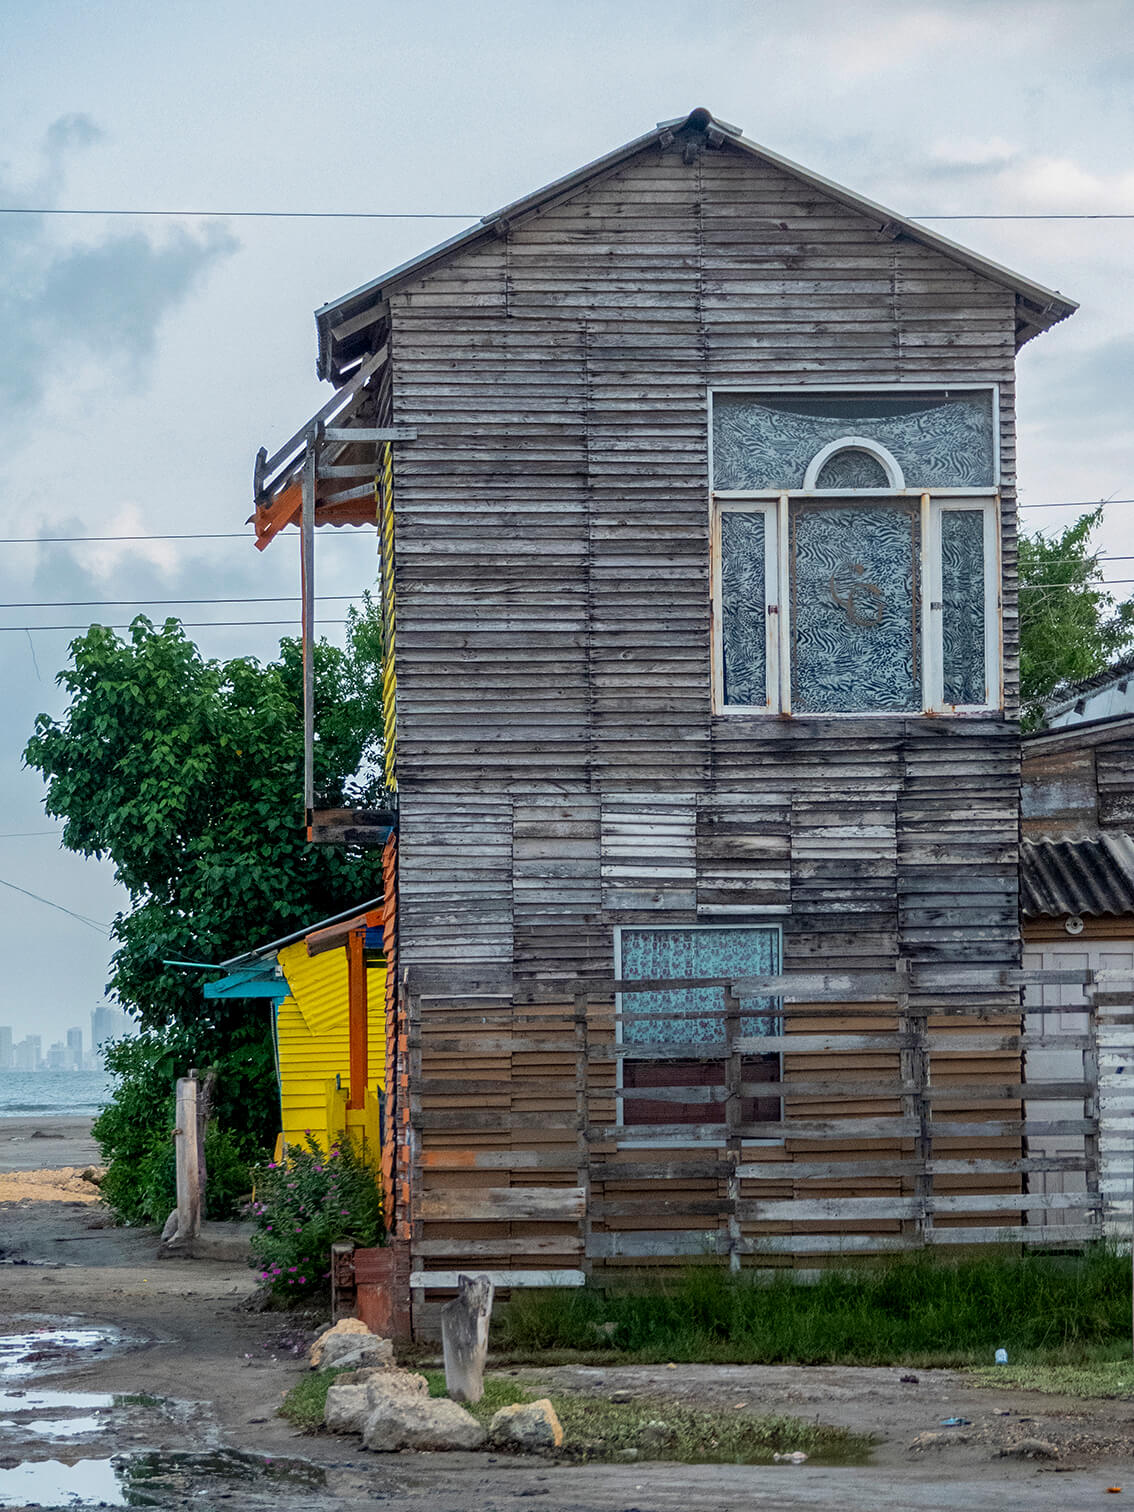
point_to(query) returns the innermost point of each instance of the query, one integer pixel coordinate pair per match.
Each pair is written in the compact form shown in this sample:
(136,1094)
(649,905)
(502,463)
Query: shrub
(305,1204)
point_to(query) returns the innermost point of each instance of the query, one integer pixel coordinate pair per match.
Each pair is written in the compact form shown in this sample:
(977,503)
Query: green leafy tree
(187,773)
(1070,626)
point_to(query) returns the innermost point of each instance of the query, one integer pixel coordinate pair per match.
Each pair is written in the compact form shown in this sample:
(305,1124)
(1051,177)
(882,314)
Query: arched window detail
(853,462)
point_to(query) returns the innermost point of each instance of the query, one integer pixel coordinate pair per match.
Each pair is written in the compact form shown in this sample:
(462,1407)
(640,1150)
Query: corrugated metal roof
(1044,307)
(1064,878)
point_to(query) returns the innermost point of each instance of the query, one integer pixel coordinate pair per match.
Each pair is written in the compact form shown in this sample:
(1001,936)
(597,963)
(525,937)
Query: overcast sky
(145,361)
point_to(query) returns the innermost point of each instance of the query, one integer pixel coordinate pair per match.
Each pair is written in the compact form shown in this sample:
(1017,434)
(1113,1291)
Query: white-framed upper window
(856,563)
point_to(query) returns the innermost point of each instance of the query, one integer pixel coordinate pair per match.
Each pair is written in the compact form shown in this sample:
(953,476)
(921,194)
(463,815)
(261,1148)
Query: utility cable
(82,918)
(380,215)
(291,598)
(243,535)
(185,625)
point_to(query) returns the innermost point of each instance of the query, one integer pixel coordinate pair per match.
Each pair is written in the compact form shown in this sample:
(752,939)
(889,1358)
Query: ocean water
(66,1094)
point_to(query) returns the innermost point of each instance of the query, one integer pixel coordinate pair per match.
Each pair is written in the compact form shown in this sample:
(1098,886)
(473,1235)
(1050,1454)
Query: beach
(46,1142)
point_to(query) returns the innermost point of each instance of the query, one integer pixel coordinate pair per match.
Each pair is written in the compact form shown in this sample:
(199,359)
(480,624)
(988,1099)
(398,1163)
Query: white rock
(353,1352)
(349,1345)
(347,1409)
(402,1415)
(343,1326)
(527,1425)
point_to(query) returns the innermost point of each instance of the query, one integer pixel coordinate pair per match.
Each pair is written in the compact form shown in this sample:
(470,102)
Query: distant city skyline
(27,1054)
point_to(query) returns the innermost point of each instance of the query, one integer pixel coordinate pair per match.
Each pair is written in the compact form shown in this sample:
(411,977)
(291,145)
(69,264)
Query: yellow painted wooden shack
(327,986)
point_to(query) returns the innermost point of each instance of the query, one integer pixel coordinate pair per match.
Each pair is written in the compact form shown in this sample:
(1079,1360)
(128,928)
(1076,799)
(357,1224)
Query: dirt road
(161,1361)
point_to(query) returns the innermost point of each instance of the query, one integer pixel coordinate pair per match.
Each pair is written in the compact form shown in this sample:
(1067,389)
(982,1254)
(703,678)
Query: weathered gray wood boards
(1078,780)
(561,768)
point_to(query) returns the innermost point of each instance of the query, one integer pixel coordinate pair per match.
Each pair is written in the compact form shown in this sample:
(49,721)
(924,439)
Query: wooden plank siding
(562,771)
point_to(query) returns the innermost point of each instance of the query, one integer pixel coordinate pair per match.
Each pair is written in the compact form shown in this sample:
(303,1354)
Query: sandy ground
(33,1144)
(187,1339)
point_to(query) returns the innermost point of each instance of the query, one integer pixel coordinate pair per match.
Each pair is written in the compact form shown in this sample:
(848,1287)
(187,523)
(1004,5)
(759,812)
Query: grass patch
(921,1310)
(304,1404)
(595,1428)
(1100,1378)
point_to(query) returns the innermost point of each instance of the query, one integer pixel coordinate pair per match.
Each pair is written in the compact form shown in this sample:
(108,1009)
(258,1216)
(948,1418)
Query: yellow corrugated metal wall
(312,1028)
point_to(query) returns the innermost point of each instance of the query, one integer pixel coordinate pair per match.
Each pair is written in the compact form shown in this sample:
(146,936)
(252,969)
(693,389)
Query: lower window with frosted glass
(674,1044)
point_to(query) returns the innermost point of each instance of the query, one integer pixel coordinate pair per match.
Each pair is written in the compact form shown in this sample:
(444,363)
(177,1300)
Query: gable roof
(344,325)
(1070,694)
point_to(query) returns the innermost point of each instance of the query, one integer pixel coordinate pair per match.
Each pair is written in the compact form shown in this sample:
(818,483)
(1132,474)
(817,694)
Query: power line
(243,535)
(1090,504)
(185,625)
(28,834)
(203,535)
(323,598)
(1093,584)
(1042,215)
(82,918)
(463,215)
(249,214)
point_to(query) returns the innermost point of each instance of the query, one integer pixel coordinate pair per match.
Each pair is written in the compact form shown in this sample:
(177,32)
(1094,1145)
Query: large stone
(343,1326)
(402,1415)
(350,1345)
(346,1408)
(528,1425)
(358,1353)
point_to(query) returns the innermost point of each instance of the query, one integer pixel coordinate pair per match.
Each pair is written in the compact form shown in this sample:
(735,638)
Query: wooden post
(357,1017)
(188,1167)
(583,1157)
(464,1338)
(307,578)
(206,1092)
(914,1075)
(733,1078)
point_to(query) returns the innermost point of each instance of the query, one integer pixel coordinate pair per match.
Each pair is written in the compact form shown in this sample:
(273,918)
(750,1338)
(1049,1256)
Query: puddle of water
(157,1479)
(50,1483)
(56,1428)
(23,1400)
(23,1354)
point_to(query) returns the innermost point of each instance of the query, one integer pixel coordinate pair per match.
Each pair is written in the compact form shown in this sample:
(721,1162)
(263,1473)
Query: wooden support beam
(358,1016)
(307,564)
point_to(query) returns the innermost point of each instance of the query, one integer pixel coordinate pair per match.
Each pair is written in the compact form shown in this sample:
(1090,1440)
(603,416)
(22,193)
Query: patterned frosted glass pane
(744,609)
(852,468)
(677,953)
(766,441)
(854,609)
(962,605)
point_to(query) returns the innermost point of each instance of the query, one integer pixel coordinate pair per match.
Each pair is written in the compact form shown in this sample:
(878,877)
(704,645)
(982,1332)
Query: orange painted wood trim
(357,996)
(270,519)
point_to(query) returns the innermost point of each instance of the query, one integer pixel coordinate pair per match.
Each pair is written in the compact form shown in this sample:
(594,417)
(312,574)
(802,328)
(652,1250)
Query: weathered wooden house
(694,478)
(1077,915)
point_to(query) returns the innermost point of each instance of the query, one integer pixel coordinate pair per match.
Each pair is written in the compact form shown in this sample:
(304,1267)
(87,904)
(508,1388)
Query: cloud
(1091,387)
(102,301)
